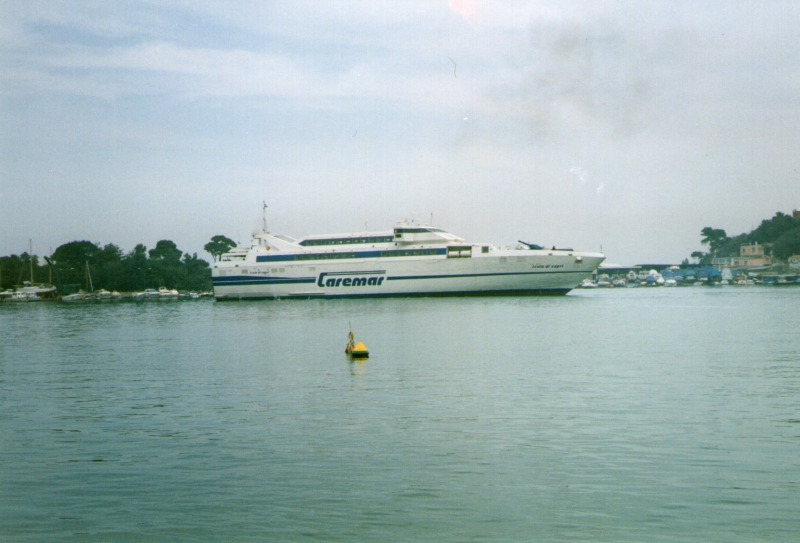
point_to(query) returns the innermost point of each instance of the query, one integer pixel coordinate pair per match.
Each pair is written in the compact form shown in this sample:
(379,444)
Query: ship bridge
(405,233)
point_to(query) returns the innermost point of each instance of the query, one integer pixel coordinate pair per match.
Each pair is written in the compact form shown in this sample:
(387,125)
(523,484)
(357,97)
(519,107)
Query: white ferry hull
(520,272)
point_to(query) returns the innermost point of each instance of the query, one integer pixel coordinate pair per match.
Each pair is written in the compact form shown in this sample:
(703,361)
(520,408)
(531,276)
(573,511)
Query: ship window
(484,249)
(459,252)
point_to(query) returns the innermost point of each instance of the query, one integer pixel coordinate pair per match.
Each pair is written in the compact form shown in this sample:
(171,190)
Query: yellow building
(754,250)
(750,256)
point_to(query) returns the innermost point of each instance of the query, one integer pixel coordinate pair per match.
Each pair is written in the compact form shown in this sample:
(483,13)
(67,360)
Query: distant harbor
(104,296)
(676,276)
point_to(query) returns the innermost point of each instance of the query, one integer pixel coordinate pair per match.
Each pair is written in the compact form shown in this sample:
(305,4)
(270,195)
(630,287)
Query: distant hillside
(779,235)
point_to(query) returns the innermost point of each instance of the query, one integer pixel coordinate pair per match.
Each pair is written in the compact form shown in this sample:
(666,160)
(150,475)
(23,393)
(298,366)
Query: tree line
(109,267)
(779,235)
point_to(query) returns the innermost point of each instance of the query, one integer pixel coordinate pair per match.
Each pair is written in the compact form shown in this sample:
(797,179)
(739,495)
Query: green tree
(715,238)
(136,269)
(218,246)
(788,244)
(165,264)
(771,229)
(198,273)
(70,260)
(11,267)
(107,269)
(166,251)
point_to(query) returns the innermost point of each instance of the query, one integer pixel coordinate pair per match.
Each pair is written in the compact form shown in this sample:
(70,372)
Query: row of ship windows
(405,252)
(346,241)
(246,271)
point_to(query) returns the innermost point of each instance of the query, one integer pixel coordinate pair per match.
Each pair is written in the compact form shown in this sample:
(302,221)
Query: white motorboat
(103,295)
(22,296)
(79,296)
(164,293)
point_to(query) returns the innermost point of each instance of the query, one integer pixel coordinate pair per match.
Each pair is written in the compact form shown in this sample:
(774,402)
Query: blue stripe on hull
(461,275)
(238,280)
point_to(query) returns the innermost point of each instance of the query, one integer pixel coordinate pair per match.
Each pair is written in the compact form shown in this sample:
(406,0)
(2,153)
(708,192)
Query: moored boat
(22,296)
(168,294)
(79,296)
(39,291)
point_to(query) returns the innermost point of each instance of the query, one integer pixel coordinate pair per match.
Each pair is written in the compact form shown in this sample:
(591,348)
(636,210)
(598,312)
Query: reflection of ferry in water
(410,260)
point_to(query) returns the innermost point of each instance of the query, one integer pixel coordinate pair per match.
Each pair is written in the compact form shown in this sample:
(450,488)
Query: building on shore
(750,256)
(794,262)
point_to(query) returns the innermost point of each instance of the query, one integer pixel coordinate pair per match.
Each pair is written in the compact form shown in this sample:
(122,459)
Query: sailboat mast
(30,256)
(89,278)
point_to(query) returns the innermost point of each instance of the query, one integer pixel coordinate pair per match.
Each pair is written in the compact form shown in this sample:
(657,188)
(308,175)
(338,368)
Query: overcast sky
(626,125)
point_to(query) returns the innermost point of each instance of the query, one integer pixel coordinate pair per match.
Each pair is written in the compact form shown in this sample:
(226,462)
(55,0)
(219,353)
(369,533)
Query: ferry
(409,260)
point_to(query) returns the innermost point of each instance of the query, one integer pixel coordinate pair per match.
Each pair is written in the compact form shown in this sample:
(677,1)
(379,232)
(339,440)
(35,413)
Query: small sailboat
(82,295)
(31,291)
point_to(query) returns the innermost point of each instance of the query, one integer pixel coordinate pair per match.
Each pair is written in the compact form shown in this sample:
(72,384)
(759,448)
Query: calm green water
(607,415)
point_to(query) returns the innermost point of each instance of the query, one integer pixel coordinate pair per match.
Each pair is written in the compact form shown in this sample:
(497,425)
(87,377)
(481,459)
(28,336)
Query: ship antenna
(264,216)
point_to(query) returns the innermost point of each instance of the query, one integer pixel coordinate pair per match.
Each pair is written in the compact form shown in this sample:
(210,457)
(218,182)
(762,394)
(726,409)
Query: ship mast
(30,257)
(264,216)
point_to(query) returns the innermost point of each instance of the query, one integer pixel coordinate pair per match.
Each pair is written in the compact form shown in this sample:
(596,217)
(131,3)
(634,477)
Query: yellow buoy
(355,351)
(359,351)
